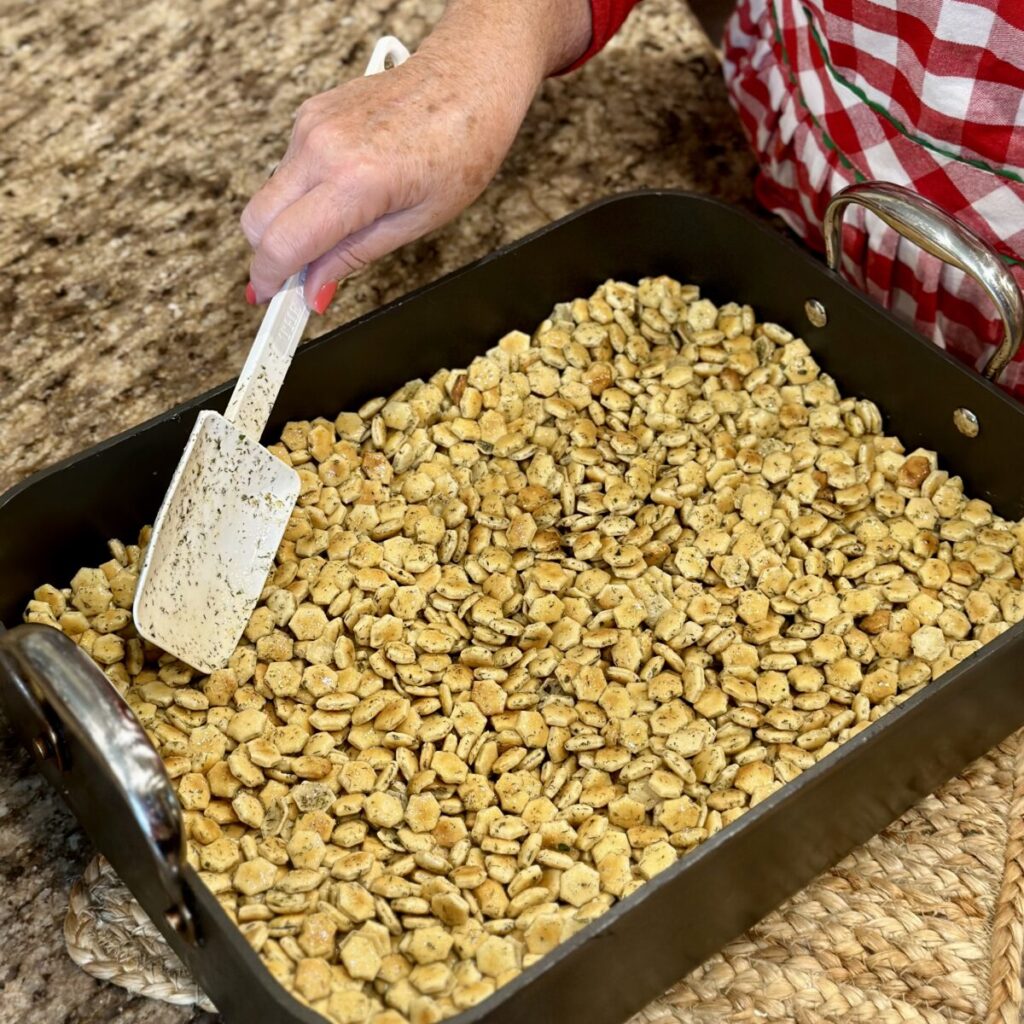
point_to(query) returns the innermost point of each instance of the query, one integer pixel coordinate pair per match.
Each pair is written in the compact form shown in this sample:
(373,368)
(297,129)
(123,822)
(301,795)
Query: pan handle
(93,751)
(922,222)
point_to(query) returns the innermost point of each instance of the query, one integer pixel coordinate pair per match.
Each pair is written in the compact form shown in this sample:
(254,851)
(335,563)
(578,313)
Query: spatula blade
(213,544)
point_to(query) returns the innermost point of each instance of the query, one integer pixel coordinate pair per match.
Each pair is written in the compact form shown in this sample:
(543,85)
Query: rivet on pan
(49,748)
(180,919)
(966,422)
(816,313)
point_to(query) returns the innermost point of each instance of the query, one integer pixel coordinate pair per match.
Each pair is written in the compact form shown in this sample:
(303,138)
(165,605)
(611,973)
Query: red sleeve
(606,16)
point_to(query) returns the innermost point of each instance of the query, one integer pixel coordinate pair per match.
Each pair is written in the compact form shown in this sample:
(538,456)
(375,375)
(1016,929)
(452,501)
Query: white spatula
(220,525)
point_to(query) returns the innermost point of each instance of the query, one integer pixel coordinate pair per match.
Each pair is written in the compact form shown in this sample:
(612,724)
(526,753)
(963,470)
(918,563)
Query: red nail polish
(324,296)
(250,294)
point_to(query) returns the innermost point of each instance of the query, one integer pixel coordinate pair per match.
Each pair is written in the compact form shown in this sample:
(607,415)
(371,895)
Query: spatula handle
(286,317)
(269,358)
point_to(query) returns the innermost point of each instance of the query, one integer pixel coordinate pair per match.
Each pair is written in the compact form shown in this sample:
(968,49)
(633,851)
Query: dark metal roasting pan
(90,747)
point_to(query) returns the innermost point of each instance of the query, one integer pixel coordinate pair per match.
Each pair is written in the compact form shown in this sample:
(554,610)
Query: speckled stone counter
(133,135)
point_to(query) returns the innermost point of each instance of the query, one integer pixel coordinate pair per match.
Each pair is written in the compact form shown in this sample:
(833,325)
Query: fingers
(288,183)
(307,229)
(358,250)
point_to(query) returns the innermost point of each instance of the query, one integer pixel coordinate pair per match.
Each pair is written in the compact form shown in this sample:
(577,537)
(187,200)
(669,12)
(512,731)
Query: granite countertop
(134,133)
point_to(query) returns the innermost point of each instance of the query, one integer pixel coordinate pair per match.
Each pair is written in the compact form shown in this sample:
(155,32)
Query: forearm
(524,41)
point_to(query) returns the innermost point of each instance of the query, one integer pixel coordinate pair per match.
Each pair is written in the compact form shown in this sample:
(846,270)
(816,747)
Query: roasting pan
(91,749)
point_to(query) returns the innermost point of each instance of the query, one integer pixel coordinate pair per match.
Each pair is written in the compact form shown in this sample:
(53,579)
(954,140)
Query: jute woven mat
(924,923)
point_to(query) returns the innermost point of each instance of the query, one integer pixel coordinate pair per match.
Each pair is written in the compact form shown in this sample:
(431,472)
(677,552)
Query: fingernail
(250,294)
(324,296)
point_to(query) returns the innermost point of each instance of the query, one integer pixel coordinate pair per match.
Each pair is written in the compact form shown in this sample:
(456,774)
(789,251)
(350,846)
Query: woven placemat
(923,923)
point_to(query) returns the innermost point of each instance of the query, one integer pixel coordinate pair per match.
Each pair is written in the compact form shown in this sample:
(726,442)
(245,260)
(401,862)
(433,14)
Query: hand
(380,161)
(371,165)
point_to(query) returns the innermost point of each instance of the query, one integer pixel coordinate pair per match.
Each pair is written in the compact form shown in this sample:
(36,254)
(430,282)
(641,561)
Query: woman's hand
(380,161)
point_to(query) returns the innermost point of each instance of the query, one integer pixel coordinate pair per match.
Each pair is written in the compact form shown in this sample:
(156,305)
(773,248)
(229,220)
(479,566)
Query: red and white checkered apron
(836,91)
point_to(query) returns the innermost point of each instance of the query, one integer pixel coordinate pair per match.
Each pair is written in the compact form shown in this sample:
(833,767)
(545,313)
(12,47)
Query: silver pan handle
(922,222)
(93,751)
